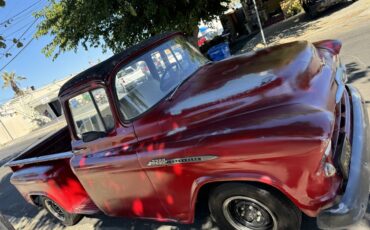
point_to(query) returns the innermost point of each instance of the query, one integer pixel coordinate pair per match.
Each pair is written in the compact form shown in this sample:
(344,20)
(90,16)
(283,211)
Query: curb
(256,39)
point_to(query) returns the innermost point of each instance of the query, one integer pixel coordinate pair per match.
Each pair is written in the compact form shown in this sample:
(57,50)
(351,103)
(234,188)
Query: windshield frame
(134,58)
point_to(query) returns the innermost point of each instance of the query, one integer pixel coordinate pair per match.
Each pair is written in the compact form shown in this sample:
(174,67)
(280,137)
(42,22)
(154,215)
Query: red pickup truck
(157,130)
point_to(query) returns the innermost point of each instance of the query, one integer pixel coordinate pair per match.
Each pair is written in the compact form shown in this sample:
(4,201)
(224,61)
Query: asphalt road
(349,23)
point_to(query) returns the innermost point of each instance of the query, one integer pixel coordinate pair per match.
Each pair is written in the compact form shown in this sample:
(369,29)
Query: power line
(16,31)
(7,20)
(29,27)
(20,51)
(7,27)
(18,20)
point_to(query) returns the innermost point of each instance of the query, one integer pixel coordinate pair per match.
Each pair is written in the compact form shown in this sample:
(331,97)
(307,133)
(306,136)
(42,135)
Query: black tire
(275,211)
(67,219)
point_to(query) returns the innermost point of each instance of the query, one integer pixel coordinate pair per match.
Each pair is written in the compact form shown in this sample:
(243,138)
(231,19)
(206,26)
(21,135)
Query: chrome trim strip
(340,78)
(52,157)
(195,159)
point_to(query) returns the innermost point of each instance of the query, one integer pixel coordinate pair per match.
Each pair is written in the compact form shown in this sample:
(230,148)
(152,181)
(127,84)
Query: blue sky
(31,63)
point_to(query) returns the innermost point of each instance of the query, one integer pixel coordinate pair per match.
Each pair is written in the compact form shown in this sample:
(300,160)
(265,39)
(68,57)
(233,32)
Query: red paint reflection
(177,169)
(169,199)
(82,161)
(137,207)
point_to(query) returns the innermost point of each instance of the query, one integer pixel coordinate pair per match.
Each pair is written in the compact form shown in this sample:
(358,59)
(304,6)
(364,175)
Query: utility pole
(259,23)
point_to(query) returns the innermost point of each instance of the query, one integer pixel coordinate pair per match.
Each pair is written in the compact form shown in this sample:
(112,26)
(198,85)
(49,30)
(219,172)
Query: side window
(102,103)
(91,112)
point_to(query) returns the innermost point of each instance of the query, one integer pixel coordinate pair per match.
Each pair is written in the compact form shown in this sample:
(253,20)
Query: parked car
(313,7)
(261,138)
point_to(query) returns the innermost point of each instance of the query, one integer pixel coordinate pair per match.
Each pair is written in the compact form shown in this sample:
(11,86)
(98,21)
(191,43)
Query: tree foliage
(11,80)
(2,40)
(291,7)
(116,24)
(3,45)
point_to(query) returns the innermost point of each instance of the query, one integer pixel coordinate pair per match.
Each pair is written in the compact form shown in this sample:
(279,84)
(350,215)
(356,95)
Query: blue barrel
(219,52)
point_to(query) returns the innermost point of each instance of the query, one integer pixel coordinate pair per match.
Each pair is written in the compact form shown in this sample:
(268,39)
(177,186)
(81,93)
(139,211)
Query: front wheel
(246,207)
(68,219)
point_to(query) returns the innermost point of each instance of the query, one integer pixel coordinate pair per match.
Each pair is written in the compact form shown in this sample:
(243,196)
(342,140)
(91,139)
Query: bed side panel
(55,180)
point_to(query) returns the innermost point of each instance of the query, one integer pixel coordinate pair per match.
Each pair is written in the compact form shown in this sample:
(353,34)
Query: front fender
(267,180)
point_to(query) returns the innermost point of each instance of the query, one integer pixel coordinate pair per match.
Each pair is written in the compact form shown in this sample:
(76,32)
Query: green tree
(3,45)
(2,41)
(116,24)
(11,80)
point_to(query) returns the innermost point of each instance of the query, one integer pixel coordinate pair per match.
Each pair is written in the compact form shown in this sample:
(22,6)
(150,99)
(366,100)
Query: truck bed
(43,170)
(56,145)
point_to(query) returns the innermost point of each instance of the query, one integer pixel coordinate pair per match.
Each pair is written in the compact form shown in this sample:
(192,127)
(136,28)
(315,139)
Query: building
(241,18)
(35,109)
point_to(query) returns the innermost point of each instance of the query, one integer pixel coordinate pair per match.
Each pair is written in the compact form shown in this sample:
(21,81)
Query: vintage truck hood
(249,75)
(291,76)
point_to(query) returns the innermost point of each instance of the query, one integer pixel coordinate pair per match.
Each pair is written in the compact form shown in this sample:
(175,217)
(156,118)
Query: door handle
(78,150)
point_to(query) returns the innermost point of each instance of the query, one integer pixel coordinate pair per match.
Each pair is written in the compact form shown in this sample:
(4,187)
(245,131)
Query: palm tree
(11,80)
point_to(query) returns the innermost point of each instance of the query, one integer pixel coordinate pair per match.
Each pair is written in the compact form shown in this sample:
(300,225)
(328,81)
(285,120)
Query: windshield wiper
(169,98)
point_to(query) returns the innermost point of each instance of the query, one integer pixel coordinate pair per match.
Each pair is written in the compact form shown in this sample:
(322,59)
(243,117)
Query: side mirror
(92,136)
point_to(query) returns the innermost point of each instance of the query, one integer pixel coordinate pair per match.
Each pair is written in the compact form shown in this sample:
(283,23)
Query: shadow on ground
(19,212)
(27,217)
(332,10)
(24,216)
(292,28)
(355,72)
(110,223)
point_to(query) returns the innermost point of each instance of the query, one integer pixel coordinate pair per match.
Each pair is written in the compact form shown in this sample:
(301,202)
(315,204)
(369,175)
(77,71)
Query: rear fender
(56,181)
(61,199)
(61,203)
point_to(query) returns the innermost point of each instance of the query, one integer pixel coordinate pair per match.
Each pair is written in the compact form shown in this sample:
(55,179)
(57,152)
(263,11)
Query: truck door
(105,160)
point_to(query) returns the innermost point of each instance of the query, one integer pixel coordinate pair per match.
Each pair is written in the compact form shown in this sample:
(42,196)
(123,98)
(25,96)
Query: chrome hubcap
(245,213)
(55,210)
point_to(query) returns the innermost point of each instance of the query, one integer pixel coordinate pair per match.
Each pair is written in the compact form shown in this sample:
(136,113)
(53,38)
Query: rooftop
(102,70)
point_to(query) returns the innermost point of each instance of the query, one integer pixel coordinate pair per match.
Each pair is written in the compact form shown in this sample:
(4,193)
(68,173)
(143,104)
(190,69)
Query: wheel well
(201,205)
(36,199)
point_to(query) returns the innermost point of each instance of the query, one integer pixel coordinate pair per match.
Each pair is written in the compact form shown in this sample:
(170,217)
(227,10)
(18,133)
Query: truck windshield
(151,77)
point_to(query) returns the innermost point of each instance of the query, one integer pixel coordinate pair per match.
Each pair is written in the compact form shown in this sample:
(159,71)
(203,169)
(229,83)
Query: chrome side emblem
(164,161)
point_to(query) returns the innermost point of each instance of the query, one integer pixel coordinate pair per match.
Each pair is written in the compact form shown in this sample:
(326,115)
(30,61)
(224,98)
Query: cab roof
(102,70)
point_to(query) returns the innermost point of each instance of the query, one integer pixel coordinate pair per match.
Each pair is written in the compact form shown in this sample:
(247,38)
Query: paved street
(349,22)
(11,149)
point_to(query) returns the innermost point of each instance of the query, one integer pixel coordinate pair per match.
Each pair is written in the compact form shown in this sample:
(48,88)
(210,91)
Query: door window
(91,112)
